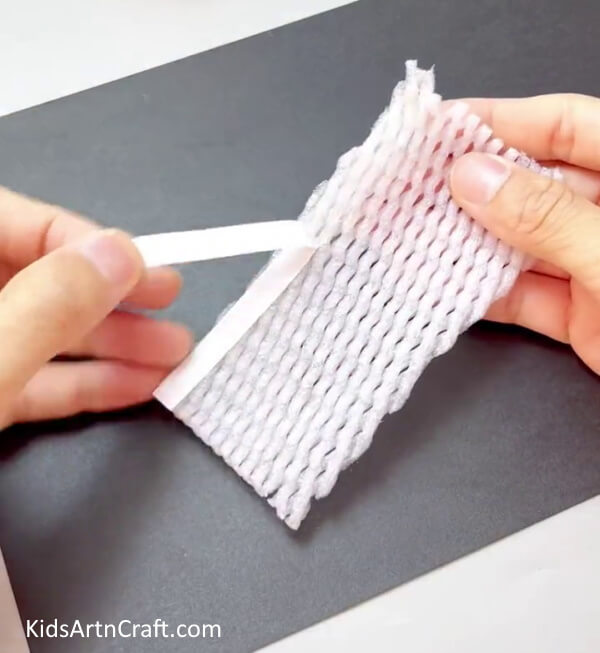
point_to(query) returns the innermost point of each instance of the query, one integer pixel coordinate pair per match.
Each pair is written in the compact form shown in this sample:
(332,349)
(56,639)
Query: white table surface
(537,590)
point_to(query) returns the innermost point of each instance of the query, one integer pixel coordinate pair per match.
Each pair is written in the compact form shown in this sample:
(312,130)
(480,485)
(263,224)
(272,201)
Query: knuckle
(68,300)
(55,224)
(70,306)
(546,205)
(563,131)
(45,233)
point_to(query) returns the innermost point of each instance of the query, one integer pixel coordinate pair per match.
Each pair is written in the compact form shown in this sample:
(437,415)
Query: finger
(30,229)
(64,389)
(564,127)
(585,326)
(538,303)
(51,304)
(536,214)
(583,182)
(541,267)
(158,288)
(136,339)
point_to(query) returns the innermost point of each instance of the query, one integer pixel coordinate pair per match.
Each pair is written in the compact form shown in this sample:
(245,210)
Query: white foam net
(402,274)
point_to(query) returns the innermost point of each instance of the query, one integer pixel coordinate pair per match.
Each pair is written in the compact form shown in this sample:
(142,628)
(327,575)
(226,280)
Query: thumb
(536,214)
(51,304)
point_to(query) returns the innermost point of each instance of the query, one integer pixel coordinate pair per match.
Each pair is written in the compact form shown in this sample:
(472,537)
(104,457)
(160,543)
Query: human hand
(61,278)
(556,222)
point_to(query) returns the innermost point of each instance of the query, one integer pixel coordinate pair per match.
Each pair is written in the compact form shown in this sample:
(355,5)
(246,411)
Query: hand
(556,222)
(61,278)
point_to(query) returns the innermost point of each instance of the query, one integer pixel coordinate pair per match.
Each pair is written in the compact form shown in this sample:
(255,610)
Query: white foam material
(403,273)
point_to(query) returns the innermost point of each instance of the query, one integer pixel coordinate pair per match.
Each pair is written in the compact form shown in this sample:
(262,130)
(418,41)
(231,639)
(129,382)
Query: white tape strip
(170,248)
(261,293)
(221,242)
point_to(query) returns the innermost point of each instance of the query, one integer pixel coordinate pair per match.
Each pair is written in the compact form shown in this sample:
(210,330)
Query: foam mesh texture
(402,272)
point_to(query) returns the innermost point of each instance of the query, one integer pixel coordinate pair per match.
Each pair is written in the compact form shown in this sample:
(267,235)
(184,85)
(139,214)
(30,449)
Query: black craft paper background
(130,516)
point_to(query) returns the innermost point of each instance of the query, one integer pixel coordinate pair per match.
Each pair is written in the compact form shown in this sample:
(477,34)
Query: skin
(557,222)
(56,301)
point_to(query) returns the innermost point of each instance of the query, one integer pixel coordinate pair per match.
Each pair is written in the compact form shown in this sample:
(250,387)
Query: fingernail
(113,255)
(476,177)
